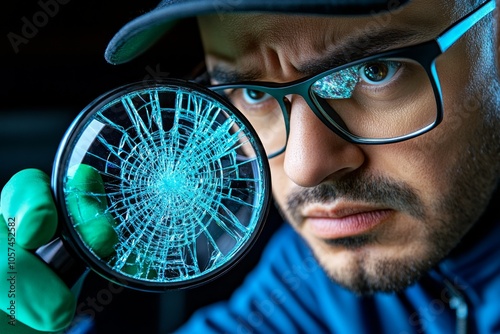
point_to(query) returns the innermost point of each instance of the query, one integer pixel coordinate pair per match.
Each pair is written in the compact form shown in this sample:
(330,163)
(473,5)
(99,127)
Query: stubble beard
(473,181)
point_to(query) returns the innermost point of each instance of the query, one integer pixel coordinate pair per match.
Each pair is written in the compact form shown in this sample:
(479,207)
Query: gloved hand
(31,293)
(86,202)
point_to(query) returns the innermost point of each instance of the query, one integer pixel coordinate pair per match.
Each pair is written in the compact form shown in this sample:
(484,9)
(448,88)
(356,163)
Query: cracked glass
(162,185)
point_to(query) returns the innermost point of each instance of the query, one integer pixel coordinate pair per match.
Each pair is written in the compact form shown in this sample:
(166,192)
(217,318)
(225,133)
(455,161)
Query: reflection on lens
(392,98)
(174,177)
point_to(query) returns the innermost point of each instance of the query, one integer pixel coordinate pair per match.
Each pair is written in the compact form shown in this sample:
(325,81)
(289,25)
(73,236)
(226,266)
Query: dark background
(52,77)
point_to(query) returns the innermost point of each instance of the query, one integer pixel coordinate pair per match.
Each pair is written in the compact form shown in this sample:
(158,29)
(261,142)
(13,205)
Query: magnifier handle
(60,260)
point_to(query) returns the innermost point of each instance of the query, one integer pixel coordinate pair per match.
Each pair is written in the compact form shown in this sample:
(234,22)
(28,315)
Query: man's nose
(315,153)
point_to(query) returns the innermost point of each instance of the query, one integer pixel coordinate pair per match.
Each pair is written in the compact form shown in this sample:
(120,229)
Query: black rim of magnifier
(70,236)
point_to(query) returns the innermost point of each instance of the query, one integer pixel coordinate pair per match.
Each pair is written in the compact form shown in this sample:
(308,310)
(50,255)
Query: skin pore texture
(409,204)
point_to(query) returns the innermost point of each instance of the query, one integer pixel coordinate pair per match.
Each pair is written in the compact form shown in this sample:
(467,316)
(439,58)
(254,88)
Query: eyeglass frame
(425,53)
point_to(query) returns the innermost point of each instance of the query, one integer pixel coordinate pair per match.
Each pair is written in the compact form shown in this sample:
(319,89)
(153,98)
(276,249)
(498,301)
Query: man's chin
(389,277)
(364,275)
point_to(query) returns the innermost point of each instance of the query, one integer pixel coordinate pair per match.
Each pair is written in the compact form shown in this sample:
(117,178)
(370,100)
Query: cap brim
(141,33)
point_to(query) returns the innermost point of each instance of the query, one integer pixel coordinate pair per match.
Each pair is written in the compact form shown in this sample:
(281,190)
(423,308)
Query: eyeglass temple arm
(451,35)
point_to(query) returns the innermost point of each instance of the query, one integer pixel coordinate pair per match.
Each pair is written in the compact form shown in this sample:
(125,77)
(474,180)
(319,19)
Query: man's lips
(340,221)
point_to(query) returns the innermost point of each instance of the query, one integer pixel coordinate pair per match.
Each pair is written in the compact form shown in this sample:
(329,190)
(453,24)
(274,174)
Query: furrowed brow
(361,46)
(353,48)
(221,75)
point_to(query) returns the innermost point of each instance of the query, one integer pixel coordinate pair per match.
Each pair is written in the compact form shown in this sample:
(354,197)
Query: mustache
(373,189)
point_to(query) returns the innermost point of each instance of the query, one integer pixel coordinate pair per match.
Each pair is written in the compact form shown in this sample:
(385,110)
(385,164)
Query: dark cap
(141,33)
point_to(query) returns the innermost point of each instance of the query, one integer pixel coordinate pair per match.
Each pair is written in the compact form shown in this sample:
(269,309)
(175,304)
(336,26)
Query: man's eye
(253,96)
(379,72)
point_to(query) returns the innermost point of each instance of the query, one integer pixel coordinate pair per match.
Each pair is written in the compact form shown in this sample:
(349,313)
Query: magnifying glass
(161,185)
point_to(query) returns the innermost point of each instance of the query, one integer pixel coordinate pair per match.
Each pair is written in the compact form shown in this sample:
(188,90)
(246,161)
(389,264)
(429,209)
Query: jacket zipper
(457,303)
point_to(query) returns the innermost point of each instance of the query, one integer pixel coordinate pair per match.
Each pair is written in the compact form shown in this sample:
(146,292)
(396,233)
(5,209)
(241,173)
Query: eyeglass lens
(379,99)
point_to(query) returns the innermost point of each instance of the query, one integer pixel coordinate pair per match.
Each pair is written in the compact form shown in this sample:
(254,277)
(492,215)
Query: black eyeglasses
(384,98)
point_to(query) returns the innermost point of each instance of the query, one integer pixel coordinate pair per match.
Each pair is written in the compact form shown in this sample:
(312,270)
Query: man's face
(375,216)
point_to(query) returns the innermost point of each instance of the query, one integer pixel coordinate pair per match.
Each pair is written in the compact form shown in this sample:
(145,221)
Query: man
(388,169)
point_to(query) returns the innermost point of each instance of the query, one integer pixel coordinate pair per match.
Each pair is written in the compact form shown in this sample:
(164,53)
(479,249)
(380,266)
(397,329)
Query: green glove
(41,300)
(87,204)
(30,292)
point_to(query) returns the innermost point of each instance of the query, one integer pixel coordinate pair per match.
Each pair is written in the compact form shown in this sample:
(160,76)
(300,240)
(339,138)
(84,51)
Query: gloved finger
(27,199)
(87,204)
(31,292)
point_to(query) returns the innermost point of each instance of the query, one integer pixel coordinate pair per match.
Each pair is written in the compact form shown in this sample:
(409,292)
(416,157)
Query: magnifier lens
(162,186)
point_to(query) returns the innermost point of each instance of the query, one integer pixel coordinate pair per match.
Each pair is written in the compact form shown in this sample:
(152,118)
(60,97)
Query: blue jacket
(288,292)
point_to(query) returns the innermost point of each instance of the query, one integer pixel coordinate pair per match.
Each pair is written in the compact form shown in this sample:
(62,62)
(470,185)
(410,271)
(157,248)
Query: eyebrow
(353,48)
